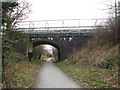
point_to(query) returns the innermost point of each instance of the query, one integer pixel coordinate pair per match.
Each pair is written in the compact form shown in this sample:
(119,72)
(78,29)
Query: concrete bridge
(64,38)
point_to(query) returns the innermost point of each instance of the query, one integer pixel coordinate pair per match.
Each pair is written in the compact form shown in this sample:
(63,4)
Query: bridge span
(64,37)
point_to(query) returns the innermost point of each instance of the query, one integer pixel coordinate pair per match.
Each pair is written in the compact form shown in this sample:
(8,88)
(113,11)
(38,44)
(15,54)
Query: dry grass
(83,65)
(21,75)
(96,64)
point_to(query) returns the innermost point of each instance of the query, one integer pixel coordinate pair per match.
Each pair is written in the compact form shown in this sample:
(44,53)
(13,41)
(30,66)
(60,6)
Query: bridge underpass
(65,45)
(46,42)
(65,38)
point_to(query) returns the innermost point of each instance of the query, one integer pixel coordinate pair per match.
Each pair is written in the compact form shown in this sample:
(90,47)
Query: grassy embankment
(20,72)
(95,68)
(95,65)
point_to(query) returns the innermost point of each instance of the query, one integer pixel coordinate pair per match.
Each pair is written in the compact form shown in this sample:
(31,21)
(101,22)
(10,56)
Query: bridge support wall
(30,50)
(65,45)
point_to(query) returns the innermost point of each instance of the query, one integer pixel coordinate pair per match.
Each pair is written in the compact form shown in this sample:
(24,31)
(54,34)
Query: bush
(106,63)
(102,63)
(13,47)
(108,34)
(15,57)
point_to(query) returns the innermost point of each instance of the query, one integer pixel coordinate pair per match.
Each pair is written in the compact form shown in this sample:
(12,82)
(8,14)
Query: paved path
(51,76)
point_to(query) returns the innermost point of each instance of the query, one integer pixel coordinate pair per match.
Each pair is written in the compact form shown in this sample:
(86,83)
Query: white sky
(67,9)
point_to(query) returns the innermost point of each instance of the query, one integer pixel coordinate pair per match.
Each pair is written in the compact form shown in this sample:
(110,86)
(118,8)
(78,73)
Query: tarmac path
(51,76)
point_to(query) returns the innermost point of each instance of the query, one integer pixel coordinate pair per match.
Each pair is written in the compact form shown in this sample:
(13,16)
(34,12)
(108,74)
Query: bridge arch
(40,42)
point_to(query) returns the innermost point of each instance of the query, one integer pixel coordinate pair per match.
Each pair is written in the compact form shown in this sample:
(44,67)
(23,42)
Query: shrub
(108,63)
(109,34)
(102,63)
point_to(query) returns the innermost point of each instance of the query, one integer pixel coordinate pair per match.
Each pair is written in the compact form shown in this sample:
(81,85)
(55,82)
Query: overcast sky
(68,9)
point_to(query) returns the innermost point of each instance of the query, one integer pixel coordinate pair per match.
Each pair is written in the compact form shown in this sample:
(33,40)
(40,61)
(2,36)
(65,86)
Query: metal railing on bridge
(60,26)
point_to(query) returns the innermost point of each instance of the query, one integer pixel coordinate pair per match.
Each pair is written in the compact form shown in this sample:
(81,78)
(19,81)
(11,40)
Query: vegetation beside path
(95,69)
(95,65)
(22,74)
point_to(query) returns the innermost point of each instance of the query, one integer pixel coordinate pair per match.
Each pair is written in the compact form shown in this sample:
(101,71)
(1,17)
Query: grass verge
(22,74)
(89,70)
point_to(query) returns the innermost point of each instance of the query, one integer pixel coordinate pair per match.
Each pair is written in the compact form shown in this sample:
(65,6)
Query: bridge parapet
(66,27)
(61,33)
(60,24)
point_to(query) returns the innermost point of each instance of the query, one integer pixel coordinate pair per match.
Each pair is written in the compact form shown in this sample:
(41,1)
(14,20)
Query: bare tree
(22,12)
(38,51)
(17,13)
(54,52)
